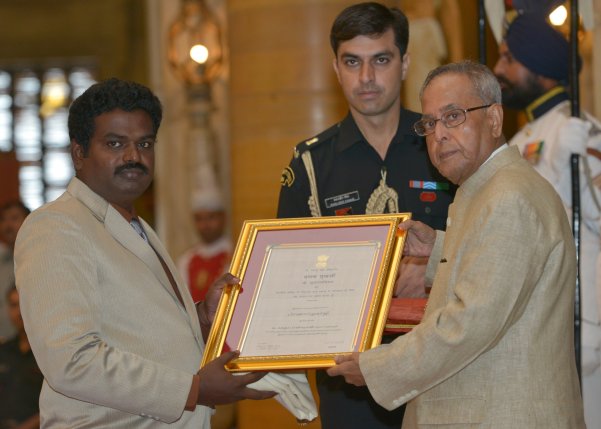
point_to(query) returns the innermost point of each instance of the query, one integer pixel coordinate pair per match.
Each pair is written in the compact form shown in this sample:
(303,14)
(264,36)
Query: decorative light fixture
(195,55)
(558,16)
(195,49)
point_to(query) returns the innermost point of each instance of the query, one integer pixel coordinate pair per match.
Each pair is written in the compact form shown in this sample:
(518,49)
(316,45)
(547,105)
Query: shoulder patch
(287,178)
(533,151)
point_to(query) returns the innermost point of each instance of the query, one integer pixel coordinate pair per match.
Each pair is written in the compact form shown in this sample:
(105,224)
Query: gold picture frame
(311,289)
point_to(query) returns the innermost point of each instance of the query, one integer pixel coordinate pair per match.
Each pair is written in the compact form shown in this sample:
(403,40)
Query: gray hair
(484,82)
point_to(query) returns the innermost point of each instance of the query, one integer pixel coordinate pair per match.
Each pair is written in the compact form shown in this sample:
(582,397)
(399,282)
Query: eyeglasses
(449,119)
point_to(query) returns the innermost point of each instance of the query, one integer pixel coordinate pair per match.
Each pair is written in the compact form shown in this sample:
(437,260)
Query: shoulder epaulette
(565,109)
(316,141)
(584,115)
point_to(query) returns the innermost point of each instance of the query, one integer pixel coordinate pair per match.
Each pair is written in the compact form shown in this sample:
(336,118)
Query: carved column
(184,125)
(282,90)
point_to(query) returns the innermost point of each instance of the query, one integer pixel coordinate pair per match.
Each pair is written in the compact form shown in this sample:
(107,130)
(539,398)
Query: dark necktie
(137,226)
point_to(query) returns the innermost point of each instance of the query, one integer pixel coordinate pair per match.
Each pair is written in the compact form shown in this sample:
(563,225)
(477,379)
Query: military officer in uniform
(371,162)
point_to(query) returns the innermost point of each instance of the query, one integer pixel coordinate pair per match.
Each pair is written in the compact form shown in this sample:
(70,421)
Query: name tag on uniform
(338,200)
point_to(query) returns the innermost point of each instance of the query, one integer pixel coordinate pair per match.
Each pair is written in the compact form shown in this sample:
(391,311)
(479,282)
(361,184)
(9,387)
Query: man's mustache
(369,88)
(131,165)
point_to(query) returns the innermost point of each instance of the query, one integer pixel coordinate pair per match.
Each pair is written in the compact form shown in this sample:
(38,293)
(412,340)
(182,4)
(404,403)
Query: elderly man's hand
(420,238)
(348,367)
(411,281)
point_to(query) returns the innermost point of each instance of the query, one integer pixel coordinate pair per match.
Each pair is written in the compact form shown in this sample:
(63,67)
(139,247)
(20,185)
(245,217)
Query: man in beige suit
(111,324)
(495,347)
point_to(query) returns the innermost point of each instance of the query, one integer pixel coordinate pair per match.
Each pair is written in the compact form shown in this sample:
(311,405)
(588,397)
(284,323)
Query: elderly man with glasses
(450,119)
(495,347)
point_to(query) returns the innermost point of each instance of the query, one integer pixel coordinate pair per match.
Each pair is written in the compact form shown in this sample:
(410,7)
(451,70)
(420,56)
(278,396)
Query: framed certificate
(311,289)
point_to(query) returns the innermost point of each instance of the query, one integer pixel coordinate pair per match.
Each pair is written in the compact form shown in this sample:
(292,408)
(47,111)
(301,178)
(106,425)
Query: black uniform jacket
(348,169)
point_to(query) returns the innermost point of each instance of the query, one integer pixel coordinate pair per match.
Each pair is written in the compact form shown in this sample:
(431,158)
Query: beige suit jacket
(115,345)
(495,348)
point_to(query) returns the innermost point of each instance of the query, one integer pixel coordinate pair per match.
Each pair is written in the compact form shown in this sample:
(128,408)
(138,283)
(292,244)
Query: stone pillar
(177,154)
(170,182)
(282,90)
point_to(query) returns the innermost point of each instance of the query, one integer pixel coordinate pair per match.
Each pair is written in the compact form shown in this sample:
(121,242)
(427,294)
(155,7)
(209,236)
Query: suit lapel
(123,232)
(179,282)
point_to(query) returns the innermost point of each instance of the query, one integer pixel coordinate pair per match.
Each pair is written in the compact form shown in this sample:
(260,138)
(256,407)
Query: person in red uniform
(202,264)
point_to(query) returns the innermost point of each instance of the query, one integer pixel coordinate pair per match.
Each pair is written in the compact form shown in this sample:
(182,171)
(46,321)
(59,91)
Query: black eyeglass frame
(416,126)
